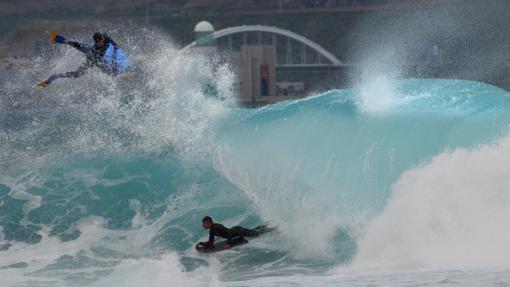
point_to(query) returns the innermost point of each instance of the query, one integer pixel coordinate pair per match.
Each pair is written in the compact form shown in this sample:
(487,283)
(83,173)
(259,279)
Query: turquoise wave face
(319,169)
(328,163)
(116,190)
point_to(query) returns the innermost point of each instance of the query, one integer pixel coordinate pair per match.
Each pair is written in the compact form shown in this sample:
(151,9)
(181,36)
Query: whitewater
(393,182)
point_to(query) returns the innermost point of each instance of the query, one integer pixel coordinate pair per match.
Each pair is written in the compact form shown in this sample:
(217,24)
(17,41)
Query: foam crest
(450,213)
(162,272)
(378,94)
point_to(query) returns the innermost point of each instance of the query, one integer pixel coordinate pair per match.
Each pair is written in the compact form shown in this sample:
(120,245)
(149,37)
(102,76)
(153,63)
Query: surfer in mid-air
(234,233)
(104,54)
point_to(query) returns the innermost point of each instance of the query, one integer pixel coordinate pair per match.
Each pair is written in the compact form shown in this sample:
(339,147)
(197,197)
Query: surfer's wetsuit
(94,55)
(229,233)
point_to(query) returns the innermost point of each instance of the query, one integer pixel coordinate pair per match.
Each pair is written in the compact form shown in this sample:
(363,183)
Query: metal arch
(274,30)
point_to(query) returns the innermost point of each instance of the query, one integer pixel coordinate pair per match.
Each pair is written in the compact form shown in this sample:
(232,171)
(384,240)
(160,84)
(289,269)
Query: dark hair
(98,37)
(207,219)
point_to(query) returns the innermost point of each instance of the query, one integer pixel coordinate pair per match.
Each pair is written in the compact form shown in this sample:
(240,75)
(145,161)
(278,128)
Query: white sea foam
(378,94)
(162,272)
(451,213)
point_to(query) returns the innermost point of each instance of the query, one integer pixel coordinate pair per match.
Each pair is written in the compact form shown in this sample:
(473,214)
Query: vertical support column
(303,54)
(275,45)
(230,43)
(259,38)
(250,76)
(289,52)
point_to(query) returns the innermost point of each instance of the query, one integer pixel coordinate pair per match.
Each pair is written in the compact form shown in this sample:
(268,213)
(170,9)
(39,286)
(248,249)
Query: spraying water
(104,182)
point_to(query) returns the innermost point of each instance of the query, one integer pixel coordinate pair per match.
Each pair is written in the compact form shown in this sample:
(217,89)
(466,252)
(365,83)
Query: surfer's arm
(209,243)
(80,47)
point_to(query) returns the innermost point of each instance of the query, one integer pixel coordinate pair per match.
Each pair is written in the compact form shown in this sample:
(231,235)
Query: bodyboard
(116,59)
(220,246)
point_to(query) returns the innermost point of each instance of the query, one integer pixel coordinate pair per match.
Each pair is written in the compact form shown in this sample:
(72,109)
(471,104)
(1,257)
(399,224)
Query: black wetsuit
(229,233)
(94,55)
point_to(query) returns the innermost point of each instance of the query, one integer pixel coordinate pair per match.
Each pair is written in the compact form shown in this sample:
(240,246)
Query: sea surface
(394,182)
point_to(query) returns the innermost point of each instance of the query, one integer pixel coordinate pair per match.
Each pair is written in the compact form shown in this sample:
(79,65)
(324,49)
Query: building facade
(272,64)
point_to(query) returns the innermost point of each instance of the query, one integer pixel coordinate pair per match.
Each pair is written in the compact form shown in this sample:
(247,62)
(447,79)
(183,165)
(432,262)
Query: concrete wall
(252,58)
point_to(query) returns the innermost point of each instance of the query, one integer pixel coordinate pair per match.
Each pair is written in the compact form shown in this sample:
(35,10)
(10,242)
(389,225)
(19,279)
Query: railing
(302,6)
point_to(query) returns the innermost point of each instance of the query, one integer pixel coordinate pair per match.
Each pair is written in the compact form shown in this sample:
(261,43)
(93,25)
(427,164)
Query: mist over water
(468,36)
(104,181)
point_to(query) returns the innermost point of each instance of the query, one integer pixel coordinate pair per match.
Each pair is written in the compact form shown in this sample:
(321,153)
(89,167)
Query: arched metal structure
(268,29)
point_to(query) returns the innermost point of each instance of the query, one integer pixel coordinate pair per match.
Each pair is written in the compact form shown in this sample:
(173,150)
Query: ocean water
(103,182)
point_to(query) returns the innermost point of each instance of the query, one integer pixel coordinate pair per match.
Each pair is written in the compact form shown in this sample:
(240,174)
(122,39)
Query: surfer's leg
(241,231)
(74,74)
(264,229)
